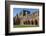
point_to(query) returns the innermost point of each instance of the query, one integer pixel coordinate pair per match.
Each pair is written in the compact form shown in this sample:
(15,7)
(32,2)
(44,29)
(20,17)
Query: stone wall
(32,19)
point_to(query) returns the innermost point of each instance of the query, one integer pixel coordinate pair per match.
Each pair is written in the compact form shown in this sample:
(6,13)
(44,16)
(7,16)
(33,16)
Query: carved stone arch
(36,22)
(32,22)
(28,22)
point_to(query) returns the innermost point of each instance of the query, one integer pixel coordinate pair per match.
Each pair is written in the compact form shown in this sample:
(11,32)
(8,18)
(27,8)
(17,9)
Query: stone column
(21,23)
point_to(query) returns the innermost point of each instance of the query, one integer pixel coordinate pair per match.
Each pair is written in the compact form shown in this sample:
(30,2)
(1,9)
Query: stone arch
(25,22)
(32,22)
(36,22)
(28,22)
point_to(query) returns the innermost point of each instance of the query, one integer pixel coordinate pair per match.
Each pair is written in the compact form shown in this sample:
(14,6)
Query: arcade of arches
(24,20)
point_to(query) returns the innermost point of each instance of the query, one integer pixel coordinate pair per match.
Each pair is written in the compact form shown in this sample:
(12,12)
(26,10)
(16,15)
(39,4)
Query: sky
(18,10)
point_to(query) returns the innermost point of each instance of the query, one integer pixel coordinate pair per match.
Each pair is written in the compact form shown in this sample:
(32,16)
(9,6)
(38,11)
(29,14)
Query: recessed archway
(32,22)
(36,22)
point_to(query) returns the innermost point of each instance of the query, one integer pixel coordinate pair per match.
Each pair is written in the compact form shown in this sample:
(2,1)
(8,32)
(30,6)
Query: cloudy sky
(18,10)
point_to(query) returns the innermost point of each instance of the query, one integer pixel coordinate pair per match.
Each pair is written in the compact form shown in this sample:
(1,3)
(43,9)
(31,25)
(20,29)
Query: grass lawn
(20,26)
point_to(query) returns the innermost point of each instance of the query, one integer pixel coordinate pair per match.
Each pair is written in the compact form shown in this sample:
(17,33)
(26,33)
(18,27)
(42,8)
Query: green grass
(20,26)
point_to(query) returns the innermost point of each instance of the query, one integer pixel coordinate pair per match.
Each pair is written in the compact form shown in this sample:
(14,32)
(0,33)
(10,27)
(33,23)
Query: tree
(24,12)
(14,20)
(17,21)
(28,12)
